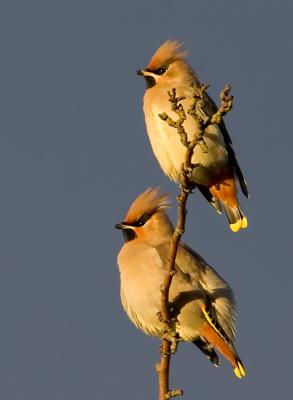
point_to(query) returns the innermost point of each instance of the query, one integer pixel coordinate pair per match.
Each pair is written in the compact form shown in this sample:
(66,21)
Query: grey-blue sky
(74,154)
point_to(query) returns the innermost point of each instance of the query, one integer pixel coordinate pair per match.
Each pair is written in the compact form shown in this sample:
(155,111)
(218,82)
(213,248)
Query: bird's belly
(165,143)
(170,152)
(142,301)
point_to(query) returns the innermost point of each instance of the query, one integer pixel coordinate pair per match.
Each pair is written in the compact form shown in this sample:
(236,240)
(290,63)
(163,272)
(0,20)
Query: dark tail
(207,350)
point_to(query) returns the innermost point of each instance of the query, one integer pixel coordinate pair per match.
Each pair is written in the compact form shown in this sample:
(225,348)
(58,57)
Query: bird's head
(168,66)
(146,219)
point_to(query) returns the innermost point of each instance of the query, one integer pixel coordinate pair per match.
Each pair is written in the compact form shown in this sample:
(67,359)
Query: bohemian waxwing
(204,302)
(216,176)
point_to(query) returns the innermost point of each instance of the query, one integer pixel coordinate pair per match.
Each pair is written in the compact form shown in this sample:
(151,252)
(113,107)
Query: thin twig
(170,338)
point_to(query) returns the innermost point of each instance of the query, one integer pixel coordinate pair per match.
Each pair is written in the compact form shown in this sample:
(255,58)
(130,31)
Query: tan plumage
(218,171)
(203,301)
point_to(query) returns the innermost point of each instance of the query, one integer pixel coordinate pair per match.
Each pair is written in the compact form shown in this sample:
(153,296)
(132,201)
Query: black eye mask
(143,219)
(160,71)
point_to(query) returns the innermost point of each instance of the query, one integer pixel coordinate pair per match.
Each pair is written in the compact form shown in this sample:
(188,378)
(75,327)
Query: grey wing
(218,292)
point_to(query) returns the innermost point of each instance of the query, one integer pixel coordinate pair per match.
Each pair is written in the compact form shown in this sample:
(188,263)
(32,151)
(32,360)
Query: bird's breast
(164,140)
(141,275)
(169,150)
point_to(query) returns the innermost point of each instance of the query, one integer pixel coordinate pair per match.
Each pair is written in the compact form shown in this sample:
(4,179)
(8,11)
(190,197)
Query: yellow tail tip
(236,226)
(244,223)
(241,223)
(239,370)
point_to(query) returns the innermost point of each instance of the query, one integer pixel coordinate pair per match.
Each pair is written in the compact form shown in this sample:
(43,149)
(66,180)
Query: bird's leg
(174,312)
(169,332)
(187,185)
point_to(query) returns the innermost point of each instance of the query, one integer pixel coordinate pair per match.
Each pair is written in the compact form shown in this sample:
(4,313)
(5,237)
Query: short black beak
(119,226)
(128,232)
(147,74)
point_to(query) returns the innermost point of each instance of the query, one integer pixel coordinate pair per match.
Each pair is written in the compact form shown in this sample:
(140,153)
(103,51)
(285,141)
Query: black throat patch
(150,81)
(128,234)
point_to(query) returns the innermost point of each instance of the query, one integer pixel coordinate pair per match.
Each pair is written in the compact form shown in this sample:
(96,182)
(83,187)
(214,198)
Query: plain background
(73,156)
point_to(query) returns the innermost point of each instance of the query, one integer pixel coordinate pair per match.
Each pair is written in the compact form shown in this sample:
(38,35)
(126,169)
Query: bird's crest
(167,53)
(147,203)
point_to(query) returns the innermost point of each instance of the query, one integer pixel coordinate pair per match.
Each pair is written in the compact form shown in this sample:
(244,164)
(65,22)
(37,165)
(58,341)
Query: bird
(204,303)
(217,169)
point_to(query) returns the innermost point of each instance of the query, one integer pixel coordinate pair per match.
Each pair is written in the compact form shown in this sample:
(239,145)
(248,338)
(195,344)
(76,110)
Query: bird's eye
(160,71)
(143,219)
(140,223)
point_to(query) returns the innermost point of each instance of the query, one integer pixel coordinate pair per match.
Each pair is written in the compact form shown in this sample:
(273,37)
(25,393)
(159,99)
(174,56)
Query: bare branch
(174,393)
(196,110)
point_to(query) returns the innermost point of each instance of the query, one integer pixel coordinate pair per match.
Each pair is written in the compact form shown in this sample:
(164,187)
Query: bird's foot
(173,312)
(189,186)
